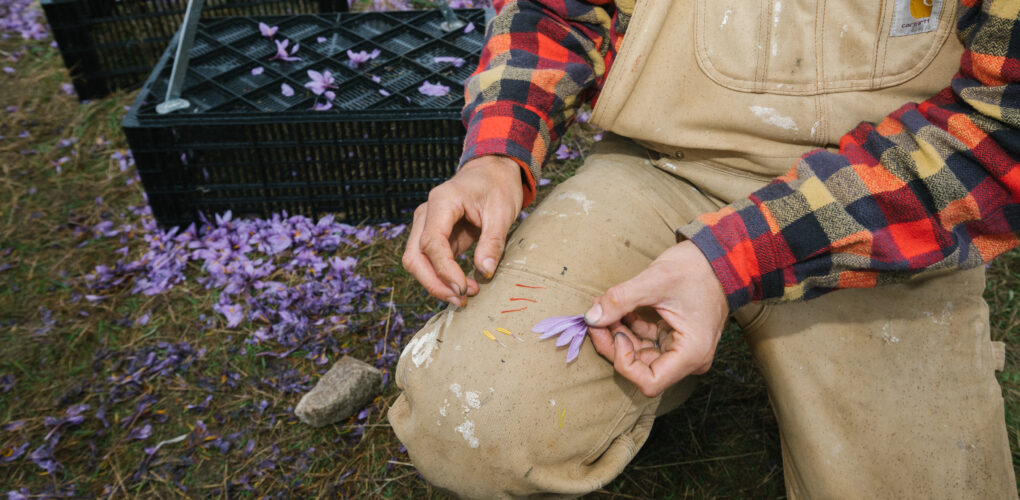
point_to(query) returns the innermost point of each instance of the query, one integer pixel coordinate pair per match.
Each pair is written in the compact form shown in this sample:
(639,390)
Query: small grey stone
(346,388)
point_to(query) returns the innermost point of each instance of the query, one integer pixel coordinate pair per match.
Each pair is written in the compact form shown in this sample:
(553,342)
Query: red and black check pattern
(934,186)
(541,60)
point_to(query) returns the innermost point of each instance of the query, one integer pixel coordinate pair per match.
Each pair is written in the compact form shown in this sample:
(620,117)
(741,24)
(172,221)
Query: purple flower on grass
(286,90)
(142,432)
(281,51)
(8,69)
(232,312)
(455,61)
(571,330)
(267,30)
(434,89)
(356,58)
(564,152)
(11,454)
(67,88)
(257,71)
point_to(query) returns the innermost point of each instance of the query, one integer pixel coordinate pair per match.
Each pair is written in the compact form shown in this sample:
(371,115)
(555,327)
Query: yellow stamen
(504,331)
(563,416)
(488,334)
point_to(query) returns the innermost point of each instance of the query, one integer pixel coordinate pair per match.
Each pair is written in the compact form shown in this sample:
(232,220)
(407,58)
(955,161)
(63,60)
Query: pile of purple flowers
(22,18)
(284,273)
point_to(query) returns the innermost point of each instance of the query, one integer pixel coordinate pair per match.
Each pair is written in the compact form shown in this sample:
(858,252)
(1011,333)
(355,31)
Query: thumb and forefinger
(620,300)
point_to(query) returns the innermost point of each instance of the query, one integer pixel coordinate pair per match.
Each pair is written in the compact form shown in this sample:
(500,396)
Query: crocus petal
(565,337)
(575,348)
(286,90)
(257,71)
(555,324)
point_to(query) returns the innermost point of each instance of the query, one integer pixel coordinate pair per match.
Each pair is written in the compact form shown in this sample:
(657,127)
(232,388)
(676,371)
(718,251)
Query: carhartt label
(915,16)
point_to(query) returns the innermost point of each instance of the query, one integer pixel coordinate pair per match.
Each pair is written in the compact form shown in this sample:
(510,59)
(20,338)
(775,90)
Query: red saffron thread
(522,298)
(513,310)
(528,286)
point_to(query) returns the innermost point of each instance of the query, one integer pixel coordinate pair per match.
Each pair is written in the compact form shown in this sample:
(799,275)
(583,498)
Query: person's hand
(479,203)
(681,286)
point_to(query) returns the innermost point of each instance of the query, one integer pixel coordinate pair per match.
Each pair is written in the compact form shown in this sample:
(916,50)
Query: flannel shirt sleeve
(541,60)
(934,186)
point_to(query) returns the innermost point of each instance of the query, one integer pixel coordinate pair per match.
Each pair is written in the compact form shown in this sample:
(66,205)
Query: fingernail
(489,267)
(593,314)
(455,288)
(454,300)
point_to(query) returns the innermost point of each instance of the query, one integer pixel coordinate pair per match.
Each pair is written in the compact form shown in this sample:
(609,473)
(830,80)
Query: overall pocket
(805,47)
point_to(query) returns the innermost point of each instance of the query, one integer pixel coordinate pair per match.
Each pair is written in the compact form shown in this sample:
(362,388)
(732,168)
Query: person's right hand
(479,203)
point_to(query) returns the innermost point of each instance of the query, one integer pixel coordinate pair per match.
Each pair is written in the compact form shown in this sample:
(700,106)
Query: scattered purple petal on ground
(564,152)
(319,82)
(469,28)
(9,70)
(67,88)
(433,89)
(267,30)
(354,59)
(384,92)
(322,106)
(286,90)
(455,61)
(257,70)
(143,432)
(281,51)
(321,39)
(583,117)
(597,137)
(523,215)
(13,453)
(7,382)
(544,182)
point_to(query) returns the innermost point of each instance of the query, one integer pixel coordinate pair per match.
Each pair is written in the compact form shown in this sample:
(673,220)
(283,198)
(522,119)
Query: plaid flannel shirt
(931,187)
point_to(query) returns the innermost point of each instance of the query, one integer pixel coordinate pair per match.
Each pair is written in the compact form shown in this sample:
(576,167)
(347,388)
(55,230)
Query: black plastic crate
(113,44)
(245,147)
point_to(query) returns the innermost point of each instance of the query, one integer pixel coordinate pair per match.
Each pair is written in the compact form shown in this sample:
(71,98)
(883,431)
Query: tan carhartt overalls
(879,393)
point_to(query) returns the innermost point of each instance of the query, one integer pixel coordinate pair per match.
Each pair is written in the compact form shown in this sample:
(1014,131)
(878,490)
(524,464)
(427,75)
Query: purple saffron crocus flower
(286,90)
(281,51)
(267,30)
(356,58)
(434,89)
(142,432)
(566,153)
(571,329)
(320,82)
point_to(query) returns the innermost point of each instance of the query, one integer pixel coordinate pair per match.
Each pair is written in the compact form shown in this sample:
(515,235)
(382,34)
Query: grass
(722,443)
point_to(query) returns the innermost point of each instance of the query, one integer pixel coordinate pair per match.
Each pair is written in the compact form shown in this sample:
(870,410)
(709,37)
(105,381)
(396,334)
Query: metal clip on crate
(185,38)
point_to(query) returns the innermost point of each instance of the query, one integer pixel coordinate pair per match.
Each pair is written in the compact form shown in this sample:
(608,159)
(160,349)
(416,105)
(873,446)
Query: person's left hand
(681,286)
